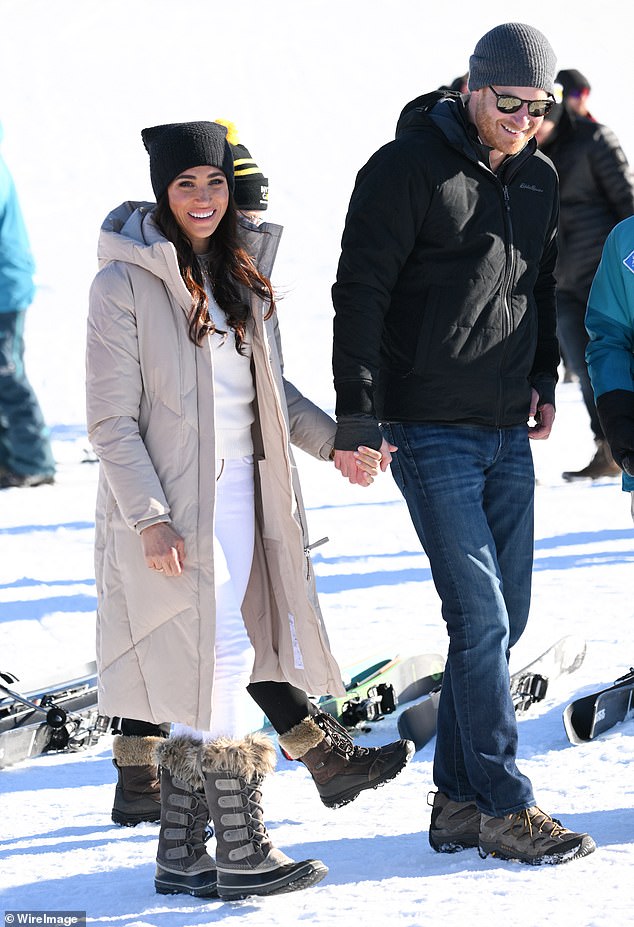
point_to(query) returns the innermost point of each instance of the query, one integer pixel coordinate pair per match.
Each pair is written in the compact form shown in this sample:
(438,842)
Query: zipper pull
(315,544)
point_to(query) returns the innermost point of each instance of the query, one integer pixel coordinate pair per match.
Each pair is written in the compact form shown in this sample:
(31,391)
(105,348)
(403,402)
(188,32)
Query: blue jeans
(24,444)
(470,493)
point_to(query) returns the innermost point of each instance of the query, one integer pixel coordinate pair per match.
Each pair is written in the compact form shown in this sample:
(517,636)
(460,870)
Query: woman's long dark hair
(229,266)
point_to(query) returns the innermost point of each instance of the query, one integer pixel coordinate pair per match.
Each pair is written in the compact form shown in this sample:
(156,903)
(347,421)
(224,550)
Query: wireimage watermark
(49,918)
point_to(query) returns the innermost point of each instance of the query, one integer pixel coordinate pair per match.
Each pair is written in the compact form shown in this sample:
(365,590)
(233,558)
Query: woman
(199,527)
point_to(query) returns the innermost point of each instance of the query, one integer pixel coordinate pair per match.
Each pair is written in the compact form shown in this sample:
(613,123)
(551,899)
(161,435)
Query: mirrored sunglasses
(509,104)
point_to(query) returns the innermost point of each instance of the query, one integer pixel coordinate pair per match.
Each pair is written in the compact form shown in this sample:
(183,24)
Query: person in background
(204,579)
(445,344)
(610,352)
(458,84)
(596,190)
(26,458)
(575,91)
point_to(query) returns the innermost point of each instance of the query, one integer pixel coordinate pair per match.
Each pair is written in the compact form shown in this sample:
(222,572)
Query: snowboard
(529,684)
(53,714)
(587,717)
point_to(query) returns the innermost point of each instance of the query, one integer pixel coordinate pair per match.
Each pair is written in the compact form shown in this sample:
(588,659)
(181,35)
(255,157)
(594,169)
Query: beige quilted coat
(150,413)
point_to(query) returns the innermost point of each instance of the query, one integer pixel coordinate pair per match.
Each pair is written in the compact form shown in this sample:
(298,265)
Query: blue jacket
(16,262)
(610,318)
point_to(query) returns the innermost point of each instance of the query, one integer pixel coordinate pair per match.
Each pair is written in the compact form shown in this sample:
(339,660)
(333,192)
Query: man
(596,190)
(445,333)
(610,323)
(26,458)
(575,91)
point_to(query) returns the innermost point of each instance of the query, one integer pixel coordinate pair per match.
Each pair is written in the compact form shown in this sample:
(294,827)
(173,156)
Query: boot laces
(338,735)
(253,812)
(537,821)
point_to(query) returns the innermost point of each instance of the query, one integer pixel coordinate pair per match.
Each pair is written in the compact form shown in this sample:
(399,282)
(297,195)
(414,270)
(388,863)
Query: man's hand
(543,416)
(163,548)
(362,465)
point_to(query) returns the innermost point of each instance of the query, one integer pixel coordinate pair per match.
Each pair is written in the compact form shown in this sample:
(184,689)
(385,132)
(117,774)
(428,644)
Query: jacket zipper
(508,279)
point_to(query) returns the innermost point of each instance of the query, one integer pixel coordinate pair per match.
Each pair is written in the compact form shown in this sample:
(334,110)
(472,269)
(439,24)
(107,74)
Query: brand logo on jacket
(629,262)
(531,187)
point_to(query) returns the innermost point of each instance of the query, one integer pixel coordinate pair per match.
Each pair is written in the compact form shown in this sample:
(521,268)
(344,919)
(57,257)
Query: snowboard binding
(380,701)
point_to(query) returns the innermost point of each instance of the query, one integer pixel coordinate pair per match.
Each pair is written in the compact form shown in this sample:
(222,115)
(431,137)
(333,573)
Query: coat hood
(447,112)
(129,234)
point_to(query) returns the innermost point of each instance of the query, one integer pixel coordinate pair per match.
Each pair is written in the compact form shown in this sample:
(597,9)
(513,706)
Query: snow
(314,89)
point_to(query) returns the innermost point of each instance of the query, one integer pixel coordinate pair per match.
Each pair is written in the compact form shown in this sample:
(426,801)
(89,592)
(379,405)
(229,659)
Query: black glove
(616,414)
(354,430)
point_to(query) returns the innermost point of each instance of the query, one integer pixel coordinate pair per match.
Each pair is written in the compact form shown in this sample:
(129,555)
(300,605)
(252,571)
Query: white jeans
(233,713)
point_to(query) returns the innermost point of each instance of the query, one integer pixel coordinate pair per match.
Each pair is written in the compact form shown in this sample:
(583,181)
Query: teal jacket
(610,319)
(16,262)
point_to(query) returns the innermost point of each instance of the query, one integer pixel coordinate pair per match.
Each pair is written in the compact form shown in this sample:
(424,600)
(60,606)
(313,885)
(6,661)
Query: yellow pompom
(232,131)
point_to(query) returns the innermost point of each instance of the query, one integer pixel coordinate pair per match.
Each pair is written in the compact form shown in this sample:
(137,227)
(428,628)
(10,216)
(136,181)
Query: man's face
(506,133)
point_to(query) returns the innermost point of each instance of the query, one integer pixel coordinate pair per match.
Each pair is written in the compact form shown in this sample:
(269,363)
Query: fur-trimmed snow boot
(137,795)
(340,769)
(246,860)
(183,865)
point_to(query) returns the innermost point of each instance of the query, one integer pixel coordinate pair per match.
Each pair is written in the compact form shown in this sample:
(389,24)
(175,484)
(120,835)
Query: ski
(52,715)
(587,717)
(529,685)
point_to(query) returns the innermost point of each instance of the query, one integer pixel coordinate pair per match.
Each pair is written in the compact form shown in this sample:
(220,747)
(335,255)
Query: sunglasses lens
(540,107)
(509,104)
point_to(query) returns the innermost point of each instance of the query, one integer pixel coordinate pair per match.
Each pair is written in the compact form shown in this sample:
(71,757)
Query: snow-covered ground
(314,88)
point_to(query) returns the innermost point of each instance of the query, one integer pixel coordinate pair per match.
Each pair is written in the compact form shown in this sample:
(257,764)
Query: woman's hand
(362,465)
(163,548)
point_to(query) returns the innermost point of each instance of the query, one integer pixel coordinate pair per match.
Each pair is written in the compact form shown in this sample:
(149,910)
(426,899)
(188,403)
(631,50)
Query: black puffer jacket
(596,190)
(445,294)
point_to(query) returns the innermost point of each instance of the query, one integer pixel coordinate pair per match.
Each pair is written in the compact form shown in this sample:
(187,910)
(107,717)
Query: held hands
(543,416)
(361,466)
(163,548)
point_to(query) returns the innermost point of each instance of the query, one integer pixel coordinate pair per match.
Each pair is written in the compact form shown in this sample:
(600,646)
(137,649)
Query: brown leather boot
(602,464)
(340,769)
(137,794)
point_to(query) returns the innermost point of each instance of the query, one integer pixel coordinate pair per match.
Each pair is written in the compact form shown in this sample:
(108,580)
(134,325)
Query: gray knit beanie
(513,55)
(177,146)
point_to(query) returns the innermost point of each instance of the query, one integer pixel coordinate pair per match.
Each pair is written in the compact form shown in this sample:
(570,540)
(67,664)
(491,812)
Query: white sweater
(234,391)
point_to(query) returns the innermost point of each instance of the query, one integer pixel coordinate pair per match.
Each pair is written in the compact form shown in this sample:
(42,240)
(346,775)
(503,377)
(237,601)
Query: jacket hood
(129,234)
(447,112)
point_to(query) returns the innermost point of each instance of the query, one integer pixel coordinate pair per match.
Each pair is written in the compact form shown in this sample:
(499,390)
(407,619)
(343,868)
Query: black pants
(283,704)
(571,330)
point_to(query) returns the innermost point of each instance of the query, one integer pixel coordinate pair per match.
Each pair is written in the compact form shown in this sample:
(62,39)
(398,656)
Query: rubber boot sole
(344,797)
(291,878)
(201,885)
(131,819)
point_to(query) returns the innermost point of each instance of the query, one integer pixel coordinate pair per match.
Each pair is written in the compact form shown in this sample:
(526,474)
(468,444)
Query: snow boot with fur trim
(340,769)
(246,860)
(183,865)
(137,795)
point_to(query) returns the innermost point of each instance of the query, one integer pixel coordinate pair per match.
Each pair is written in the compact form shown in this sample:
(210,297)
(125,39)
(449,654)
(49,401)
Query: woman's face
(198,199)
